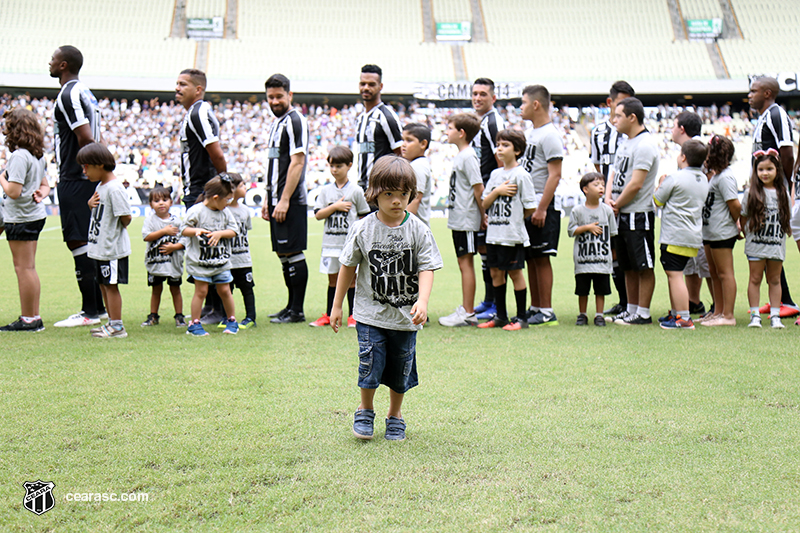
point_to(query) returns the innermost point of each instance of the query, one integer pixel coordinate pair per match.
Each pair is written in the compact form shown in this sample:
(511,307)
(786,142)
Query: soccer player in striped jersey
(604,143)
(286,204)
(773,130)
(77,123)
(483,99)
(378,131)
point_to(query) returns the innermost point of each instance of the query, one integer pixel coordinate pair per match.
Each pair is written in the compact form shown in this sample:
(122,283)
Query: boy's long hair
(391,173)
(96,154)
(23,130)
(720,153)
(755,198)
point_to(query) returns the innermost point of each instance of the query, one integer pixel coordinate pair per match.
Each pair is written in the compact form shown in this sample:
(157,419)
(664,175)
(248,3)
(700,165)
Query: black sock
(786,297)
(500,301)
(288,282)
(520,296)
(351,297)
(85,273)
(487,280)
(298,277)
(619,282)
(249,297)
(331,295)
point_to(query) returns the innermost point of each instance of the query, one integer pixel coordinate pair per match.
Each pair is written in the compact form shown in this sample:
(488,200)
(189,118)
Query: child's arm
(215,236)
(346,275)
(169,247)
(325,212)
(477,190)
(413,205)
(42,192)
(12,190)
(553,177)
(125,220)
(155,235)
(419,311)
(735,207)
(594,227)
(505,189)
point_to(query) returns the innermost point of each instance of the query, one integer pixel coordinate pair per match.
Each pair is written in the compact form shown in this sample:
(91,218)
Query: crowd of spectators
(143,135)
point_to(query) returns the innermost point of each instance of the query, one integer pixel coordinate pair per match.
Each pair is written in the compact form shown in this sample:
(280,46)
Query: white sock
(643,312)
(684,314)
(547,311)
(632,309)
(28,319)
(774,311)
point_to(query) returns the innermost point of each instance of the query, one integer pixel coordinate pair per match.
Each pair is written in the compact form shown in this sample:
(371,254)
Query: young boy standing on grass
(593,225)
(396,255)
(508,199)
(416,139)
(682,197)
(466,215)
(340,204)
(109,243)
(241,262)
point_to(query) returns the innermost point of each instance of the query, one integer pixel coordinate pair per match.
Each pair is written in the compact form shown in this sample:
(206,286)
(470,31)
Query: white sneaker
(459,318)
(755,321)
(775,322)
(77,320)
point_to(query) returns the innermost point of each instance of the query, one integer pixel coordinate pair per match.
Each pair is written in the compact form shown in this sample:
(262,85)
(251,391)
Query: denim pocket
(408,362)
(364,359)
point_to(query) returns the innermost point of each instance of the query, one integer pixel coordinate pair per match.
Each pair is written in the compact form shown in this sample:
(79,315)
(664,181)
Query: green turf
(576,429)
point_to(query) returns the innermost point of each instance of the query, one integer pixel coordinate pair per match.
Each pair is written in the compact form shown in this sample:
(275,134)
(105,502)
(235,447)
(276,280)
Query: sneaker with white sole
(196,329)
(540,319)
(755,321)
(77,320)
(775,322)
(459,318)
(22,325)
(364,424)
(108,331)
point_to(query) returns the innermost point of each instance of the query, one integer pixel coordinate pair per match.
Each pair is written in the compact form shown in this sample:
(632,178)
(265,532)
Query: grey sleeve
(573,223)
(552,147)
(351,254)
(645,156)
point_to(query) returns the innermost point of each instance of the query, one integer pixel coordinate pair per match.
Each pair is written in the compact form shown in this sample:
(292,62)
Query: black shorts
(544,240)
(480,238)
(727,243)
(242,278)
(291,235)
(505,257)
(73,204)
(113,272)
(24,231)
(672,262)
(584,282)
(465,242)
(157,281)
(636,241)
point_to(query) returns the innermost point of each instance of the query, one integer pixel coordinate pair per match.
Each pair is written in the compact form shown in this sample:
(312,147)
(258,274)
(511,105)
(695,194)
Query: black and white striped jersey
(75,106)
(377,134)
(604,143)
(485,142)
(773,130)
(288,135)
(198,129)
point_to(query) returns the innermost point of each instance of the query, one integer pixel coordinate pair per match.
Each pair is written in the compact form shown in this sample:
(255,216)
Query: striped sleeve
(297,131)
(595,149)
(493,125)
(391,127)
(70,104)
(781,126)
(204,124)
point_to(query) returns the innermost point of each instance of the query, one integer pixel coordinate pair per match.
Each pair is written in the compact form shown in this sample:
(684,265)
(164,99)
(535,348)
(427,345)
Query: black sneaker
(152,320)
(180,320)
(697,309)
(617,309)
(289,318)
(21,325)
(583,320)
(636,320)
(599,321)
(281,313)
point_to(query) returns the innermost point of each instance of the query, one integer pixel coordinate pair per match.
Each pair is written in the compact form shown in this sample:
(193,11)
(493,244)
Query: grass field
(562,429)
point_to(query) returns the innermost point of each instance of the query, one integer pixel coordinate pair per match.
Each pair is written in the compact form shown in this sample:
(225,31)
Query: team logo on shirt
(593,248)
(393,270)
(771,233)
(38,497)
(337,223)
(500,211)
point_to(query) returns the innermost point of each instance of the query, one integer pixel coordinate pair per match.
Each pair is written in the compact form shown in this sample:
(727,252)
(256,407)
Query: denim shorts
(217,279)
(388,357)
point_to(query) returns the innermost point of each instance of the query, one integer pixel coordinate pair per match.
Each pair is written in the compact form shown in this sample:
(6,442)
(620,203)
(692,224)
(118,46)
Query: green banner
(704,28)
(453,31)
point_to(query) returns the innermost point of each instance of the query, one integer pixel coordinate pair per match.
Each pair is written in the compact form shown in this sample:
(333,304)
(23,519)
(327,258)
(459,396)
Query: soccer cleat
(180,320)
(196,329)
(677,323)
(539,319)
(280,313)
(324,320)
(789,311)
(775,322)
(697,308)
(615,310)
(666,318)
(289,318)
(483,306)
(363,424)
(395,429)
(108,331)
(21,325)
(493,322)
(351,322)
(487,313)
(459,318)
(599,321)
(152,320)
(77,320)
(634,320)
(232,326)
(583,320)
(797,322)
(516,323)
(755,321)
(247,323)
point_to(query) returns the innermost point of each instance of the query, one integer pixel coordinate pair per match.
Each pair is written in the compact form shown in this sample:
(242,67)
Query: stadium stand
(205,8)
(700,9)
(451,11)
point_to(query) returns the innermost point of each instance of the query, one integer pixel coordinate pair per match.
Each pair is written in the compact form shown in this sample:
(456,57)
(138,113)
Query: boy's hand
(169,247)
(336,318)
(265,211)
(38,196)
(171,230)
(538,218)
(94,201)
(341,205)
(214,238)
(507,189)
(484,221)
(419,313)
(595,229)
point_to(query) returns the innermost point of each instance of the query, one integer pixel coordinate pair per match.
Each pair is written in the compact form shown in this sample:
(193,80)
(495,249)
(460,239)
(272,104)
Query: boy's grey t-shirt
(155,262)
(389,261)
(338,224)
(203,259)
(638,153)
(718,224)
(683,196)
(591,253)
(770,241)
(543,144)
(463,211)
(507,213)
(28,171)
(108,238)
(240,245)
(422,168)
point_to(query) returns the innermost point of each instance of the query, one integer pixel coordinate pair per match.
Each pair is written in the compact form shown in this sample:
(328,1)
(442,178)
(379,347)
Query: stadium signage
(704,28)
(208,28)
(453,31)
(462,90)
(789,82)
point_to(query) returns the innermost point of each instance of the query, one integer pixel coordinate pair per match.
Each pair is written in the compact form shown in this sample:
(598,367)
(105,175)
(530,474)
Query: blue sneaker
(482,307)
(363,424)
(247,323)
(196,329)
(395,429)
(488,313)
(232,327)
